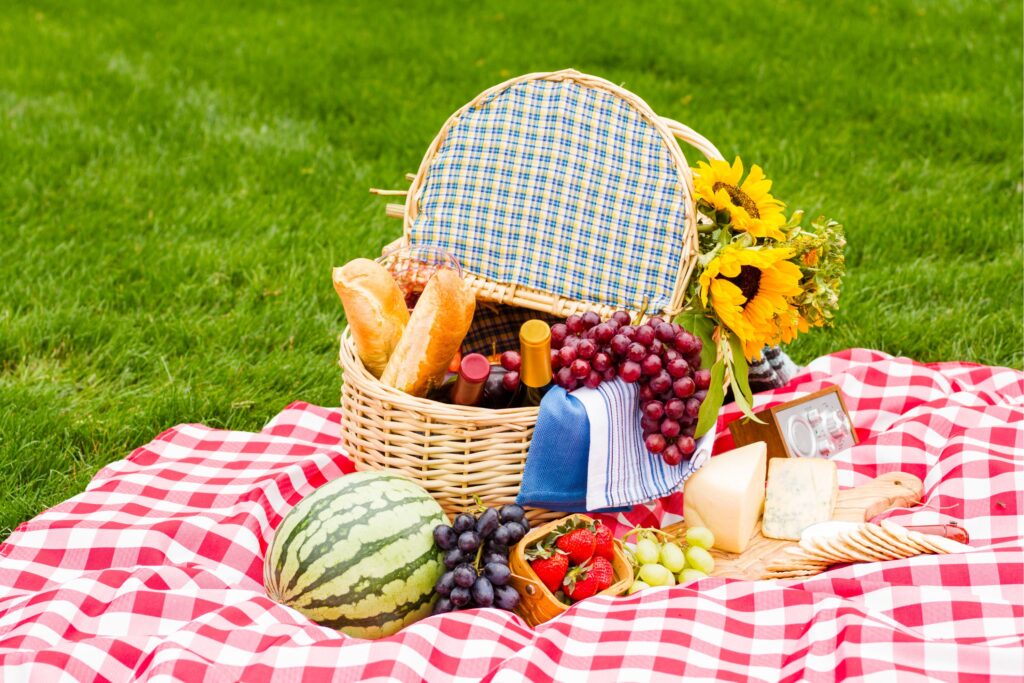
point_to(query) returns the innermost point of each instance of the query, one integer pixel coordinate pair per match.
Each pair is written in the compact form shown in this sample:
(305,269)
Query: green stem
(649,530)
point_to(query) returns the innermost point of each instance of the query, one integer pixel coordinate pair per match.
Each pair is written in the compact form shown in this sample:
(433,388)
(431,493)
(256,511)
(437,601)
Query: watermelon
(358,554)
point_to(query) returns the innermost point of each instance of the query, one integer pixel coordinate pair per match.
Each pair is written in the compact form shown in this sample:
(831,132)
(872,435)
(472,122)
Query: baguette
(375,308)
(434,334)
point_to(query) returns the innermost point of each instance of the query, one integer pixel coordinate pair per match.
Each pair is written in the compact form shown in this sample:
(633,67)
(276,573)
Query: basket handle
(692,138)
(533,586)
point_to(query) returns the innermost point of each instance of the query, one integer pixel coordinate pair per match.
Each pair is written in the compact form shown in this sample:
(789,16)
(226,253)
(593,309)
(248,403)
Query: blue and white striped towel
(620,471)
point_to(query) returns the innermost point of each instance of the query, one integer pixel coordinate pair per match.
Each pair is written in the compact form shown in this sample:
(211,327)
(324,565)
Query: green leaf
(695,320)
(740,370)
(742,401)
(713,402)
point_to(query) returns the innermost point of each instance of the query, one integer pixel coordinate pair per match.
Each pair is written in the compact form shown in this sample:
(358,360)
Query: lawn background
(177,179)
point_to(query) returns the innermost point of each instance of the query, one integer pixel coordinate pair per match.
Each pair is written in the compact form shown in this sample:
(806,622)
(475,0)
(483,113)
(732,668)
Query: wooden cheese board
(859,504)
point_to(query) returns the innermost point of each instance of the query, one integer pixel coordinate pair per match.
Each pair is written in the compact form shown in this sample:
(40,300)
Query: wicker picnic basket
(557,193)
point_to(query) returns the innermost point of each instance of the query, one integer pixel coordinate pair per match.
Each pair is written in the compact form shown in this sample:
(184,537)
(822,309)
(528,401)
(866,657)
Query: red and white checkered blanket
(154,572)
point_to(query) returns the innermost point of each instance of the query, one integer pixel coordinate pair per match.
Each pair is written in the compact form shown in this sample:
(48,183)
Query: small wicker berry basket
(536,603)
(557,193)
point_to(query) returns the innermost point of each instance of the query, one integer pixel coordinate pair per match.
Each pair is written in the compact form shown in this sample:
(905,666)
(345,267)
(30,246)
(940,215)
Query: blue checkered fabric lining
(562,188)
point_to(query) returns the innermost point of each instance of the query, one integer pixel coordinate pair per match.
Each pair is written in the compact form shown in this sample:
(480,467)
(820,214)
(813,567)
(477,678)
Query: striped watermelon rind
(358,555)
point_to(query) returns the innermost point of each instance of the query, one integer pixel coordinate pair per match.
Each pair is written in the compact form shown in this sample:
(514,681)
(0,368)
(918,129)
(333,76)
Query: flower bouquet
(761,279)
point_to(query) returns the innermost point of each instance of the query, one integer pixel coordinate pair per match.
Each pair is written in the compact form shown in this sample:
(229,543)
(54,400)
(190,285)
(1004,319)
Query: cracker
(935,543)
(796,565)
(857,539)
(794,555)
(897,539)
(922,540)
(800,554)
(946,545)
(794,574)
(812,547)
(883,540)
(894,529)
(852,553)
(905,536)
(824,548)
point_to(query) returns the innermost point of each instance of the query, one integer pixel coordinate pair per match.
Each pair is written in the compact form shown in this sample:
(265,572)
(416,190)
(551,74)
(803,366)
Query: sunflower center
(749,281)
(739,198)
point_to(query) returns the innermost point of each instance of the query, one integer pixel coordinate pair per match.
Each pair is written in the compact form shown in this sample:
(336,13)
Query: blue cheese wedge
(801,492)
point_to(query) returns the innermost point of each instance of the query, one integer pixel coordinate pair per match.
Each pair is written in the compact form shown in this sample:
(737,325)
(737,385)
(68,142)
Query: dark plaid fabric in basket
(496,329)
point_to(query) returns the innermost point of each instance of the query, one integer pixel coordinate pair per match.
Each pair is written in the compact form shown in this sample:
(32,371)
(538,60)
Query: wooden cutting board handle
(892,490)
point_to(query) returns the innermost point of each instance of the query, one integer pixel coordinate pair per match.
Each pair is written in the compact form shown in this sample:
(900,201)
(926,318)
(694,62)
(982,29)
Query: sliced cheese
(801,492)
(727,495)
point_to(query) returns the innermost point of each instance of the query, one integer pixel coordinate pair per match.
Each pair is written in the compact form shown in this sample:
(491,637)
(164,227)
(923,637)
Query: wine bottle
(469,385)
(495,395)
(442,393)
(535,351)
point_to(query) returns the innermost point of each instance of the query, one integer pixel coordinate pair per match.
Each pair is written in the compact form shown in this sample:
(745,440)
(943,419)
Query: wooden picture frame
(790,431)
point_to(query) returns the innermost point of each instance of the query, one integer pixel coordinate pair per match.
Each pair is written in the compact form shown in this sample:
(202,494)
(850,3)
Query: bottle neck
(466,393)
(536,358)
(535,379)
(469,384)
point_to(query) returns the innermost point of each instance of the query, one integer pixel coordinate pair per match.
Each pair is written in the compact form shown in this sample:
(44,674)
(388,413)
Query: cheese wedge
(727,495)
(801,492)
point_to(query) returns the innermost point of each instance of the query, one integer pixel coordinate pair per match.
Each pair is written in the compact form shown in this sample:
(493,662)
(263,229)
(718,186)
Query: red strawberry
(583,581)
(605,542)
(601,570)
(578,544)
(550,566)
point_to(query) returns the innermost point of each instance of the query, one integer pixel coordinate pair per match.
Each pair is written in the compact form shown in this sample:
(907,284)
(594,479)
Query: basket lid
(559,192)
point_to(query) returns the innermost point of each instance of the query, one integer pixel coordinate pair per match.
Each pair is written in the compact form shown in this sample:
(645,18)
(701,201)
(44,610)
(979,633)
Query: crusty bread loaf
(375,308)
(434,334)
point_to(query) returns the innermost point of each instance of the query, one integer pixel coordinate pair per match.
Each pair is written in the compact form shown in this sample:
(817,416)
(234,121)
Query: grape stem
(648,530)
(630,555)
(479,508)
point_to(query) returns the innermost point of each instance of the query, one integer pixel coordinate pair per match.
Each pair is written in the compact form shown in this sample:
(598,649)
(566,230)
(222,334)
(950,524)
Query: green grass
(177,179)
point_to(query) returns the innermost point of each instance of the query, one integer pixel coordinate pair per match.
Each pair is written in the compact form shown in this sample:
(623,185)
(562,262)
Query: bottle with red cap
(469,384)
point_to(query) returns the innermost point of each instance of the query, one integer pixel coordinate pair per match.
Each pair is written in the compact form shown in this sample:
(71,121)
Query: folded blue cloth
(622,471)
(555,475)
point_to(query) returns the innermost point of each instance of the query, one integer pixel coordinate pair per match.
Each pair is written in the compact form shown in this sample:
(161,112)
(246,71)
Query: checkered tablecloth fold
(153,572)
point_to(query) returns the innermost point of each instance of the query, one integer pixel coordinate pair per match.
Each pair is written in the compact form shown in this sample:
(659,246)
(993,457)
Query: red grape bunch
(661,356)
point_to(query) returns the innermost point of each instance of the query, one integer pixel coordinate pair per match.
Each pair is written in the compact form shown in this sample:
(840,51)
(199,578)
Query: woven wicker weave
(456,452)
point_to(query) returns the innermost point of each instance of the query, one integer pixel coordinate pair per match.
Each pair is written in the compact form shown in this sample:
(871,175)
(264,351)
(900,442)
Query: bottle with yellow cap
(535,351)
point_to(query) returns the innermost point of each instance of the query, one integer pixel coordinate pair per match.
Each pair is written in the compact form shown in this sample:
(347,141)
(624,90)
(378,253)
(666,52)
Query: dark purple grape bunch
(476,549)
(661,356)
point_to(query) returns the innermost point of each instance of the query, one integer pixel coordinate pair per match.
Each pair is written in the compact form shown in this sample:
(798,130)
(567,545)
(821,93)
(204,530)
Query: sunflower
(749,204)
(790,324)
(750,290)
